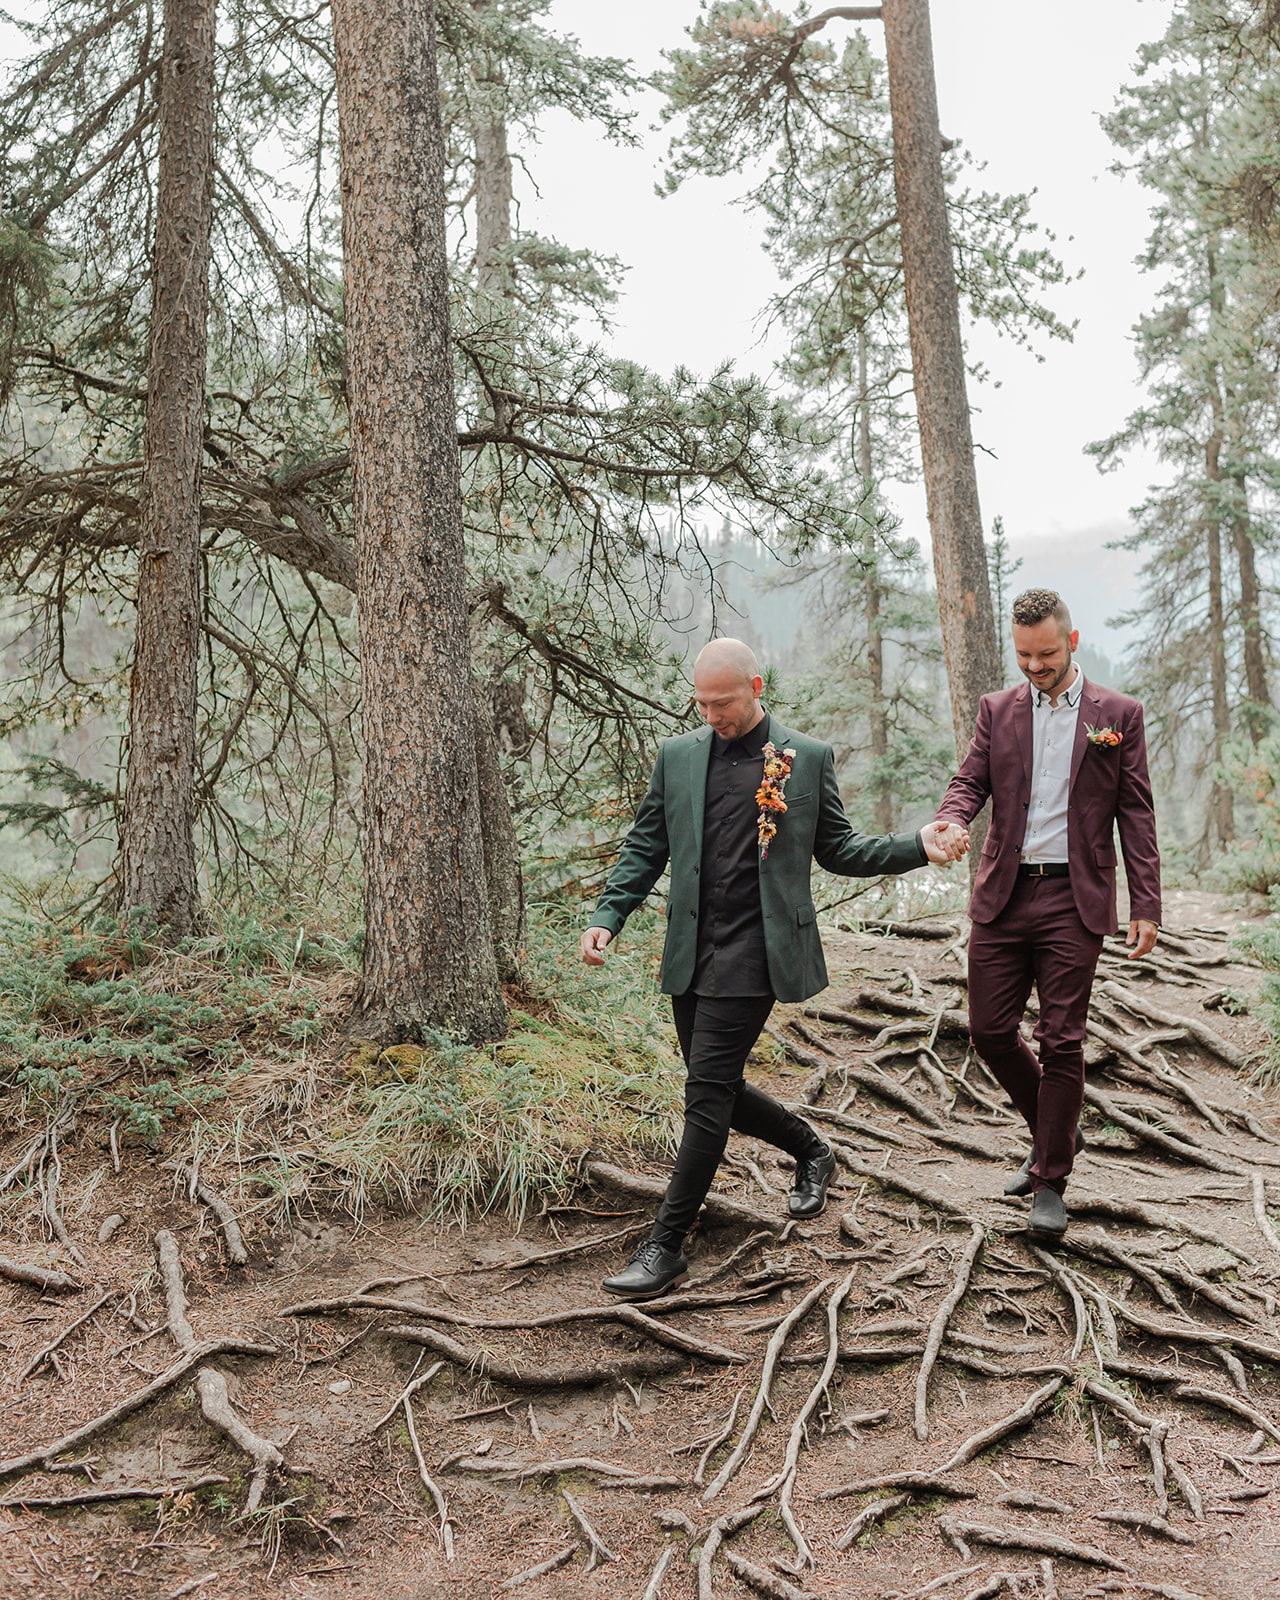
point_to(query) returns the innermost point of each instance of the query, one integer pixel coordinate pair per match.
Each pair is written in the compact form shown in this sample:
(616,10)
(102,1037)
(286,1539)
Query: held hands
(945,841)
(593,945)
(1142,935)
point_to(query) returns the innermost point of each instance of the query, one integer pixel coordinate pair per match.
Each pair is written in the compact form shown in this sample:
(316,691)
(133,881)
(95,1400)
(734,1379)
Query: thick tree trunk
(502,869)
(428,956)
(937,357)
(158,860)
(493,208)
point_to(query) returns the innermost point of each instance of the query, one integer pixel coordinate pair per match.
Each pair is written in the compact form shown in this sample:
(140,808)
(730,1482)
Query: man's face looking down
(1044,650)
(727,699)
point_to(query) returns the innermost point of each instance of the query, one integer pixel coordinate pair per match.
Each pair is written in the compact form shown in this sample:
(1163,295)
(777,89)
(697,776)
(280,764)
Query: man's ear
(1073,639)
(757,687)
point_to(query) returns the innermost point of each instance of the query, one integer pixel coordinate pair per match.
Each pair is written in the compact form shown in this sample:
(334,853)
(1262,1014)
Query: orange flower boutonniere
(769,796)
(1108,737)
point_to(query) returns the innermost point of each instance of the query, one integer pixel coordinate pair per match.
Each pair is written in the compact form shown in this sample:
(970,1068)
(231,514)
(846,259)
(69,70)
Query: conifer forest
(355,553)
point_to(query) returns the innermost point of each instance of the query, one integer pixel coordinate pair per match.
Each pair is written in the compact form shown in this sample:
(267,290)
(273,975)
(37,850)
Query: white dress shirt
(1053,736)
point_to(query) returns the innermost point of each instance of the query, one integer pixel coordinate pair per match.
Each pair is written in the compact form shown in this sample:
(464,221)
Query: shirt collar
(1070,697)
(750,744)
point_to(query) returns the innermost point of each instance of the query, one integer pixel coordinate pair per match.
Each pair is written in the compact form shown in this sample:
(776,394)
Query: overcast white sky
(1023,86)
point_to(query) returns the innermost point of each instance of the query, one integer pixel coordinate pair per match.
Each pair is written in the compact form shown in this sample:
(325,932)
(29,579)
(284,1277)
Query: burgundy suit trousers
(1038,939)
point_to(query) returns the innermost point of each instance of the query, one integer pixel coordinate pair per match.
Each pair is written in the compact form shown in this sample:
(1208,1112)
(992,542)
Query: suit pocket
(1104,855)
(991,847)
(805,915)
(795,801)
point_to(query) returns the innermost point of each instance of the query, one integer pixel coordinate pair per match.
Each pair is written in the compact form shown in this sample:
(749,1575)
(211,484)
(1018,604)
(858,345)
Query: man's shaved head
(729,656)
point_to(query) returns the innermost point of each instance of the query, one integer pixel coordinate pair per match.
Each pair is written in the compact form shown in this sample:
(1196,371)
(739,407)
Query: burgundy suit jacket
(1109,786)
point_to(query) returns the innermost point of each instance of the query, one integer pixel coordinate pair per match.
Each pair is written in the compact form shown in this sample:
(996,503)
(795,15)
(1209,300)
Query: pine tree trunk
(937,357)
(428,956)
(493,207)
(1257,710)
(872,594)
(1221,803)
(502,868)
(158,860)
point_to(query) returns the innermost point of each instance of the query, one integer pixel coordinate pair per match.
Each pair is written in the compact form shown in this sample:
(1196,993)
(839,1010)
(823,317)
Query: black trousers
(716,1034)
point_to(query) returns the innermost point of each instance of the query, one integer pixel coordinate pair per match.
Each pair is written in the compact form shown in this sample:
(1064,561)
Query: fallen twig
(432,1488)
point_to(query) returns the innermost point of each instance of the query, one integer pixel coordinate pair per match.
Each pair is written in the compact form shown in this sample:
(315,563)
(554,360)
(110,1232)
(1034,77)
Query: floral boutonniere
(777,769)
(1108,737)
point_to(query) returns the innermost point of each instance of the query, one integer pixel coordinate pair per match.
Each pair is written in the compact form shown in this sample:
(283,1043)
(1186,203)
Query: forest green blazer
(668,827)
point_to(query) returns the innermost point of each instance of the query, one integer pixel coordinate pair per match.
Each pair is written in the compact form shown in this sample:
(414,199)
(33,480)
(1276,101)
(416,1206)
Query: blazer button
(696,871)
(693,913)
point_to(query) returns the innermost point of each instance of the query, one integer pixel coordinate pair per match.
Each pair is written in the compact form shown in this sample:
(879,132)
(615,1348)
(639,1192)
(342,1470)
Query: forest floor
(1104,1419)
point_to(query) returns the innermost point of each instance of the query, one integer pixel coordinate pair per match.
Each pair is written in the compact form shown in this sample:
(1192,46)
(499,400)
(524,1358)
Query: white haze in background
(1022,86)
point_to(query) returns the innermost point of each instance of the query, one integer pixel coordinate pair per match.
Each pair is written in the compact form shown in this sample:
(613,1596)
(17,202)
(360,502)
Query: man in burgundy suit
(1063,762)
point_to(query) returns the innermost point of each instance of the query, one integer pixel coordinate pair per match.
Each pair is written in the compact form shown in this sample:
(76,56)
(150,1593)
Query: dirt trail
(1137,1368)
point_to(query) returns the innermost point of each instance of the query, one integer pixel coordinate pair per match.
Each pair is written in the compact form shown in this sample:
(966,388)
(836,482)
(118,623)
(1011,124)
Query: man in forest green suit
(741,809)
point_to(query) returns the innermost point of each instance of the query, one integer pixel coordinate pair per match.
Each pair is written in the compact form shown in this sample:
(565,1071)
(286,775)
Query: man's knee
(995,1042)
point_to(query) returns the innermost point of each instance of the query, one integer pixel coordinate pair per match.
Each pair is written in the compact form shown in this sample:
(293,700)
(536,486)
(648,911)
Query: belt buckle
(1035,869)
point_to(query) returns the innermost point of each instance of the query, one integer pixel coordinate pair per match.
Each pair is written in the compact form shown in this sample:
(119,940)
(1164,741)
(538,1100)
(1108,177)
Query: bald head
(727,656)
(727,687)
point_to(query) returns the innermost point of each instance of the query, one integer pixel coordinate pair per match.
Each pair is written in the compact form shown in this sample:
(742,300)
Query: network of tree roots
(907,1396)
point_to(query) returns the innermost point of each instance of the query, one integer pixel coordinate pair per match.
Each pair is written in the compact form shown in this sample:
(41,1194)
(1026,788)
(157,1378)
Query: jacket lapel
(1022,727)
(1090,712)
(699,761)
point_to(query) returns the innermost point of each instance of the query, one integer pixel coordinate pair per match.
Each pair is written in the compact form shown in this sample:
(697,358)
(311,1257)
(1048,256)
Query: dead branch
(47,1350)
(90,1497)
(717,1208)
(486,1365)
(765,1583)
(1039,1540)
(211,1386)
(938,1327)
(1148,1524)
(134,1402)
(875,1511)
(772,1351)
(44,1278)
(543,1567)
(225,1215)
(600,1551)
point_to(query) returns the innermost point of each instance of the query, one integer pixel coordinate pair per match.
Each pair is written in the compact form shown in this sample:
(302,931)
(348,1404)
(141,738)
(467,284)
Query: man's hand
(944,841)
(1142,936)
(593,945)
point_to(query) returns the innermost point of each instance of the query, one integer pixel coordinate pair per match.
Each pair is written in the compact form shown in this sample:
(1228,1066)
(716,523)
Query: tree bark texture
(493,208)
(872,595)
(1221,804)
(937,357)
(158,860)
(1257,710)
(428,956)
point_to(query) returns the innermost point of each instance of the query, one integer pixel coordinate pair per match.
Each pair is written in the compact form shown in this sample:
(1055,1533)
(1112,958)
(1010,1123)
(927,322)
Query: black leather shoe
(813,1178)
(1020,1183)
(652,1270)
(1048,1215)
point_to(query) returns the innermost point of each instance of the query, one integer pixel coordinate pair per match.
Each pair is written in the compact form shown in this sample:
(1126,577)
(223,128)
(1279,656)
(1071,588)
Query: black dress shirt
(731,950)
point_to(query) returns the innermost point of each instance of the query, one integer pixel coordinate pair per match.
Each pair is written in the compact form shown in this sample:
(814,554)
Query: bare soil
(349,1516)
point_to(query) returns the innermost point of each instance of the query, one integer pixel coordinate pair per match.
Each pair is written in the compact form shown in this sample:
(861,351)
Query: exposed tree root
(718,1532)
(44,1278)
(765,1583)
(939,1326)
(211,1386)
(46,1350)
(600,1551)
(560,1558)
(582,1376)
(1039,1540)
(94,1497)
(199,1189)
(717,1207)
(1148,1524)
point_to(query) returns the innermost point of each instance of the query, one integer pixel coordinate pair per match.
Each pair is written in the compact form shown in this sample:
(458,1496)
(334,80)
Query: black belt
(1044,869)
